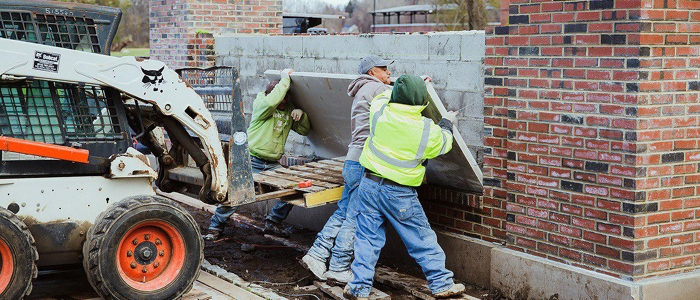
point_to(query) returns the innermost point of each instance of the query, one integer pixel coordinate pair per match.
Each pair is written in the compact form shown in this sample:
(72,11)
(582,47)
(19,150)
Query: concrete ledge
(469,258)
(675,287)
(523,276)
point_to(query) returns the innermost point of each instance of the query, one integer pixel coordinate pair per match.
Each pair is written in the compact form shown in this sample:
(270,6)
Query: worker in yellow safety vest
(394,156)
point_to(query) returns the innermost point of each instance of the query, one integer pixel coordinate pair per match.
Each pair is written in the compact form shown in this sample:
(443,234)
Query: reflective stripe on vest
(408,164)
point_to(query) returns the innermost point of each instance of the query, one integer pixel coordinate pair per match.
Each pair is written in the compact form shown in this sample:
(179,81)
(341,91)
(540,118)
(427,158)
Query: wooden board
(336,292)
(326,183)
(226,287)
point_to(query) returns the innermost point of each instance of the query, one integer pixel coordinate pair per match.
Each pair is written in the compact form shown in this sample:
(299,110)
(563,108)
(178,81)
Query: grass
(132,52)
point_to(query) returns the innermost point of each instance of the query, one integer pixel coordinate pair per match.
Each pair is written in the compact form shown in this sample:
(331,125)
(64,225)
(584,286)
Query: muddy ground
(276,266)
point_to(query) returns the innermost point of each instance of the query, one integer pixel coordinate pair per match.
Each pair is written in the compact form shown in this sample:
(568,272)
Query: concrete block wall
(454,60)
(592,133)
(182,31)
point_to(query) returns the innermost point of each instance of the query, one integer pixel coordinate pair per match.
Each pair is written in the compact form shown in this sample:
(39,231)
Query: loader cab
(82,116)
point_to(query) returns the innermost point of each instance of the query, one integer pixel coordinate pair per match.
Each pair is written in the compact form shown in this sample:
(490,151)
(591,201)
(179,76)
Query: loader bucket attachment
(220,89)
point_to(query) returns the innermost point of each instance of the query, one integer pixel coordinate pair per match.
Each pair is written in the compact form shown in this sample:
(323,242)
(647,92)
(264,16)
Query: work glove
(297,114)
(451,116)
(426,78)
(286,72)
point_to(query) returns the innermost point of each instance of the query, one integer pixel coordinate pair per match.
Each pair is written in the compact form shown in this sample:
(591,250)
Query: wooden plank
(340,159)
(315,176)
(336,292)
(196,295)
(297,202)
(418,287)
(320,165)
(282,183)
(331,162)
(325,197)
(325,172)
(227,288)
(276,194)
(300,179)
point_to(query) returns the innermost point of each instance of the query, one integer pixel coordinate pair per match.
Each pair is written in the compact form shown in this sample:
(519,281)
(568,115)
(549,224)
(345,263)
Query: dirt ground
(276,266)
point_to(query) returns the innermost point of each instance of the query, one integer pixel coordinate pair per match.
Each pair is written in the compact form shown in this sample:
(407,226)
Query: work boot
(340,277)
(314,265)
(454,290)
(348,295)
(213,235)
(275,229)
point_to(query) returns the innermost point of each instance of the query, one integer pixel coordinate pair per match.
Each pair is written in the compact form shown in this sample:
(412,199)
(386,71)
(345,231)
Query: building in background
(417,18)
(305,23)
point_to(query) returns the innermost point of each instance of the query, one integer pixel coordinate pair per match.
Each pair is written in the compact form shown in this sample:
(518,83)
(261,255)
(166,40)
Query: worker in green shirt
(273,117)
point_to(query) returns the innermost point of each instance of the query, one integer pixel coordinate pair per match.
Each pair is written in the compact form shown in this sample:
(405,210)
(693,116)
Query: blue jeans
(398,205)
(335,240)
(223,212)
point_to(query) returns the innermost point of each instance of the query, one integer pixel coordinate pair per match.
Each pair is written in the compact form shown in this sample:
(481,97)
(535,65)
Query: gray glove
(451,115)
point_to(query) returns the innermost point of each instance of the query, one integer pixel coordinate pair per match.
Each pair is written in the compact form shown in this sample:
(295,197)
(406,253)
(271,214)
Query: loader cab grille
(57,113)
(75,33)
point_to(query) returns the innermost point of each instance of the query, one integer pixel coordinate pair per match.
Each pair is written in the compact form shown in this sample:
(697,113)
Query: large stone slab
(324,98)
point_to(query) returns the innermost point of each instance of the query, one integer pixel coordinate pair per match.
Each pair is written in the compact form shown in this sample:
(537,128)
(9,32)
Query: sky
(336,2)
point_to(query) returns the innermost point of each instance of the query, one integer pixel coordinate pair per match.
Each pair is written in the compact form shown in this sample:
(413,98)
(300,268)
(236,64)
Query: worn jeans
(335,240)
(380,203)
(223,212)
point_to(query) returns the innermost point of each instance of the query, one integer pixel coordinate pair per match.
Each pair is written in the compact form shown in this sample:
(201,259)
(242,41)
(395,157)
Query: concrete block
(523,276)
(245,46)
(473,46)
(326,66)
(284,46)
(402,47)
(329,46)
(469,258)
(471,130)
(444,47)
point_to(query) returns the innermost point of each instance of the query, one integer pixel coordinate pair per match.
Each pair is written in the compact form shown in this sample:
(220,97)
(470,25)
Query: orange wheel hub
(6,266)
(151,255)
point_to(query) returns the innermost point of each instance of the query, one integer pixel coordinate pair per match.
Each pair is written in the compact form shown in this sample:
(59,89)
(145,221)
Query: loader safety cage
(74,26)
(85,116)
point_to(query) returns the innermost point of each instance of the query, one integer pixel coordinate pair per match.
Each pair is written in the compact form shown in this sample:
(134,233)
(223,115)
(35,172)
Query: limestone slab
(324,98)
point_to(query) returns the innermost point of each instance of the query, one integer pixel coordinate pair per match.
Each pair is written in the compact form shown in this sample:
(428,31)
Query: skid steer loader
(72,187)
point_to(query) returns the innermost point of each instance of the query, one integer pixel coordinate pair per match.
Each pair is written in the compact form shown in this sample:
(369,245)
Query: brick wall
(182,31)
(592,133)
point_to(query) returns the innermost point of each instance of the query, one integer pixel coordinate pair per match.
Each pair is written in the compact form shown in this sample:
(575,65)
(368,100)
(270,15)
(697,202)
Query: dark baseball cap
(369,62)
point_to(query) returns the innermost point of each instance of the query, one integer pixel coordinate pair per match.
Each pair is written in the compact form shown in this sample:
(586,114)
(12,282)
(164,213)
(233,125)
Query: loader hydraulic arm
(148,81)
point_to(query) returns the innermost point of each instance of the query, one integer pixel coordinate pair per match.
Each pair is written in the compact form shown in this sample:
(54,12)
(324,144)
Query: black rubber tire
(99,249)
(17,237)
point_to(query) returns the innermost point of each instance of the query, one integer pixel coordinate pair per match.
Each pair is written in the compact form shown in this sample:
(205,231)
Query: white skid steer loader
(72,187)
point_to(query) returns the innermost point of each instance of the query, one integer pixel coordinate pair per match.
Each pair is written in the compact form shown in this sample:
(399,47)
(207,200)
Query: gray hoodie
(363,89)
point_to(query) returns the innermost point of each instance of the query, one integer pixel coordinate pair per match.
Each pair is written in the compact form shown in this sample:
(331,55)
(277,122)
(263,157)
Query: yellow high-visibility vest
(400,140)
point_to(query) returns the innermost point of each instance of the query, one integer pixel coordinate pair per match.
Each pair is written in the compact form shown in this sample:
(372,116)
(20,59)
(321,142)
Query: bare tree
(461,14)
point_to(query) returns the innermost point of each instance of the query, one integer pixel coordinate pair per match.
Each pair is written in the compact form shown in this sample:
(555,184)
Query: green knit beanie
(409,90)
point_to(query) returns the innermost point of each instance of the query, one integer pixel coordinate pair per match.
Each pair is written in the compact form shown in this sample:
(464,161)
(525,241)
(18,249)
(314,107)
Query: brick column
(182,31)
(592,120)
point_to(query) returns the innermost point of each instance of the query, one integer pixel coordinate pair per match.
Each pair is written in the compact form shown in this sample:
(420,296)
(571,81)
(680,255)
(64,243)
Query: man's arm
(264,107)
(440,139)
(303,126)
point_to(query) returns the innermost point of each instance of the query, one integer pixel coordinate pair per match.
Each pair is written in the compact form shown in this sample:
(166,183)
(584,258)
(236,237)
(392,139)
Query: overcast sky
(336,2)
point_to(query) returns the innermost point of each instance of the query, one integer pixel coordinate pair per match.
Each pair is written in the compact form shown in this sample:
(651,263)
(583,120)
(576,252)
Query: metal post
(374,14)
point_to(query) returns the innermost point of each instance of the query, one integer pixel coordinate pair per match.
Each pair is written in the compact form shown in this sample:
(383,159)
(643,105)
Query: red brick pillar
(592,113)
(182,31)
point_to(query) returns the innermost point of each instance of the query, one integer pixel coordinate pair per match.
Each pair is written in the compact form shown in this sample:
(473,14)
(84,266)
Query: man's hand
(286,72)
(451,115)
(426,78)
(297,114)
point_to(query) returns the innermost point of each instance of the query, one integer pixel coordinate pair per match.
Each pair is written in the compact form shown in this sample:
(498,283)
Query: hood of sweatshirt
(359,82)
